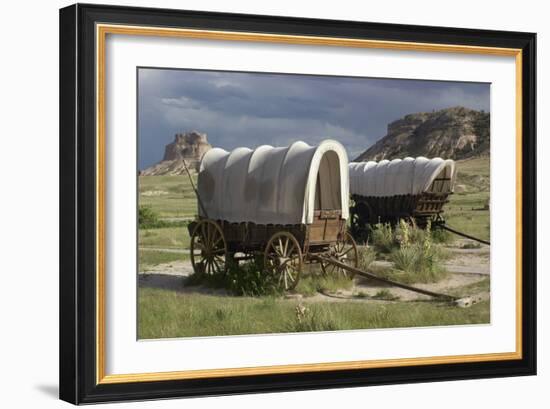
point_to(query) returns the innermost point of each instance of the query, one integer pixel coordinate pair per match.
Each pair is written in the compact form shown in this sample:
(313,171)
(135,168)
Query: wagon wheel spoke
(291,251)
(199,246)
(281,248)
(283,260)
(208,238)
(290,275)
(292,271)
(280,268)
(215,263)
(201,266)
(345,251)
(328,268)
(219,239)
(286,247)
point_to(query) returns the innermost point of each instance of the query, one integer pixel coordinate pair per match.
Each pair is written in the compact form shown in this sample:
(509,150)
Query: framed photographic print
(257,203)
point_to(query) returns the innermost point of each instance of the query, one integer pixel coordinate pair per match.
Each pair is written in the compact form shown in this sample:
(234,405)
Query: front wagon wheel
(283,260)
(345,251)
(208,248)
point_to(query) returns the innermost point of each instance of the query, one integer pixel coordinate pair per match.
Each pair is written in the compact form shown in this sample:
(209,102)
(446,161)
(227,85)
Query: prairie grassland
(165,313)
(165,237)
(172,198)
(169,196)
(169,314)
(466,210)
(151,257)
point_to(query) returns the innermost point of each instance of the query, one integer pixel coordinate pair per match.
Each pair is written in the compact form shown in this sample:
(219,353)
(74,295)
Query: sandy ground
(466,266)
(469,260)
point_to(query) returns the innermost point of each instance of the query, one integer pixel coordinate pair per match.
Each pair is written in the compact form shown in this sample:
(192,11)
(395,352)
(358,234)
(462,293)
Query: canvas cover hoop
(274,185)
(409,176)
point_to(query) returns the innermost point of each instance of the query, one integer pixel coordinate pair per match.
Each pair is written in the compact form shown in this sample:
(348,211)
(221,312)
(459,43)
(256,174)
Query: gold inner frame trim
(101,33)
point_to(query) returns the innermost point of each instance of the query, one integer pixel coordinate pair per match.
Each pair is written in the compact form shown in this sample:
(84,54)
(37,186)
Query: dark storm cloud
(250,109)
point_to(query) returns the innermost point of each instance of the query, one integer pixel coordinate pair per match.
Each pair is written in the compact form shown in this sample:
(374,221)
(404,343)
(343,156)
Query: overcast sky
(251,109)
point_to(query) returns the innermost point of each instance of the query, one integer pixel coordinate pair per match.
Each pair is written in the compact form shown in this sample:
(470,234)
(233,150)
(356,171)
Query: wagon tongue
(459,302)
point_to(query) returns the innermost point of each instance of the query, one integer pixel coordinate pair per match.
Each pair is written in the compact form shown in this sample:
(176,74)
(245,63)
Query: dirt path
(175,268)
(469,260)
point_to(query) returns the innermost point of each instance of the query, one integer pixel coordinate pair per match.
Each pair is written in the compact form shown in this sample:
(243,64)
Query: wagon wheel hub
(345,251)
(283,260)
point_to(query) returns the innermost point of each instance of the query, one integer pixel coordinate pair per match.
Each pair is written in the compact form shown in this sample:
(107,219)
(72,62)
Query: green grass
(149,258)
(168,314)
(245,279)
(385,295)
(169,196)
(249,279)
(168,237)
(312,284)
(465,210)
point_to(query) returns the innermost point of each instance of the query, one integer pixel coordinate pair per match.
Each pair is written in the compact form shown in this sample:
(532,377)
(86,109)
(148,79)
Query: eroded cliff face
(186,149)
(453,133)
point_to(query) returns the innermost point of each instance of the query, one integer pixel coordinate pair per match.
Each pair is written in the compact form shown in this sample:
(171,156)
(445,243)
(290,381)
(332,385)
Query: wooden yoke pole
(195,190)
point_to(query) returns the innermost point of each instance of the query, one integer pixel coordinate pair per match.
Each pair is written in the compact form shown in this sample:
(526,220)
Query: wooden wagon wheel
(345,251)
(283,259)
(208,238)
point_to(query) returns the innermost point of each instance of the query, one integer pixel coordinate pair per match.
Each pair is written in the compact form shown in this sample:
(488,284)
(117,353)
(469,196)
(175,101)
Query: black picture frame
(78,317)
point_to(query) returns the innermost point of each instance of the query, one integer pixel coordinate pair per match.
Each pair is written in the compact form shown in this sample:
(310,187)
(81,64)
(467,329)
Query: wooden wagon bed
(400,189)
(326,229)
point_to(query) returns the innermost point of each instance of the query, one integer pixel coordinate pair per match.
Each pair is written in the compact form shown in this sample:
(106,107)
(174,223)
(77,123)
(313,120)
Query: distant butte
(452,133)
(188,148)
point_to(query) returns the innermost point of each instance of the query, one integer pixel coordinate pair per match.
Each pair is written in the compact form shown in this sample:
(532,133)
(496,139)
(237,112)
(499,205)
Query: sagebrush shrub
(383,237)
(366,256)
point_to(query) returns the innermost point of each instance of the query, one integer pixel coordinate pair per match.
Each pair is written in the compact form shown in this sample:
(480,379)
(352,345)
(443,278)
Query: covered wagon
(386,191)
(280,204)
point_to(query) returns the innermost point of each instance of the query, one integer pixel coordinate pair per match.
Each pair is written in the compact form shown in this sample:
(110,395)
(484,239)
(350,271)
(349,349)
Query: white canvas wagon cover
(274,185)
(409,176)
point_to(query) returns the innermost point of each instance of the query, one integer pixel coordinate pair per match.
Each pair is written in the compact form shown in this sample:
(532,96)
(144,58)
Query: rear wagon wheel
(208,248)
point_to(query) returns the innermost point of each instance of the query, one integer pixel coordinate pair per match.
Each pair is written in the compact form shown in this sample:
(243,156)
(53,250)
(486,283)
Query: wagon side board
(371,210)
(327,228)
